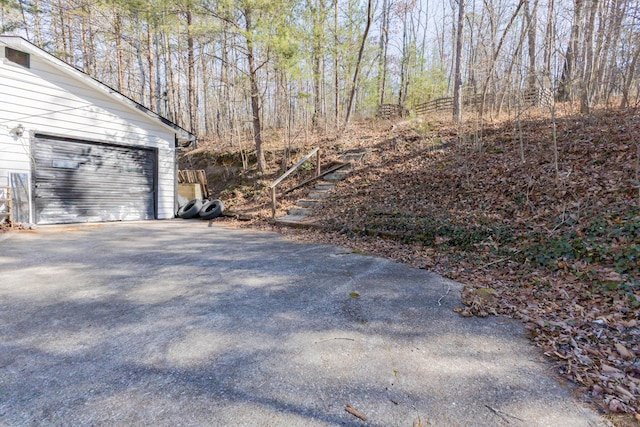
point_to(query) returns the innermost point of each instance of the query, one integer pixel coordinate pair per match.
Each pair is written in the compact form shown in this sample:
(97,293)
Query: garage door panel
(52,180)
(91,195)
(82,181)
(84,211)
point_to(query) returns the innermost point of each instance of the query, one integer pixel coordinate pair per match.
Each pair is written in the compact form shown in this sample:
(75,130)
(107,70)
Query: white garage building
(75,150)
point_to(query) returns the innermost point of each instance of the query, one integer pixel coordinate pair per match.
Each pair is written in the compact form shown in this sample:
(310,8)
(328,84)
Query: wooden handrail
(318,176)
(275,183)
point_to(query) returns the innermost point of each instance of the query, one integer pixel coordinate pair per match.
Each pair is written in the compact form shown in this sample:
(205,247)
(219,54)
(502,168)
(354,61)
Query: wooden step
(309,203)
(336,176)
(353,156)
(324,185)
(319,195)
(298,211)
(297,221)
(347,167)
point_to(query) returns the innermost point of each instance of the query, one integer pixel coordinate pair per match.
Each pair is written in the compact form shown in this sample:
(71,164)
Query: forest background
(233,71)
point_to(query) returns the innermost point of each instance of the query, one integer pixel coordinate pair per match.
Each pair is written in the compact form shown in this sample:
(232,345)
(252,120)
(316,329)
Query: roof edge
(20,41)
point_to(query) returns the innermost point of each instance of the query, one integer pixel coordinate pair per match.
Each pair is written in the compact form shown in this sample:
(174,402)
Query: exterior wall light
(18,131)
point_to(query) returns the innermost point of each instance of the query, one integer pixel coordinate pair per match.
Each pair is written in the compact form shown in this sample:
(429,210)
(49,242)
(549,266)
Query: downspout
(175,175)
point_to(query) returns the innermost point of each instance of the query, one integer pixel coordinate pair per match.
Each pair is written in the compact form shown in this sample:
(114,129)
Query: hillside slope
(549,236)
(558,248)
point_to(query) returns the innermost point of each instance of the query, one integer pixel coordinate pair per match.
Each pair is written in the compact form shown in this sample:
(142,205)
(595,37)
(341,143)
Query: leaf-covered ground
(550,237)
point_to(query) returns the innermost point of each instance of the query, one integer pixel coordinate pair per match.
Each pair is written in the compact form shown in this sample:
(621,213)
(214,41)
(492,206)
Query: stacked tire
(196,208)
(212,209)
(190,210)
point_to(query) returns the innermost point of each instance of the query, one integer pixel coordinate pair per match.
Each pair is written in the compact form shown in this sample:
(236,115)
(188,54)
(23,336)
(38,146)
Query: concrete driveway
(176,323)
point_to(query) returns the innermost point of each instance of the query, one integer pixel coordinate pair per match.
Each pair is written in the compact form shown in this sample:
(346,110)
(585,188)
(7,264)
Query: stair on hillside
(298,216)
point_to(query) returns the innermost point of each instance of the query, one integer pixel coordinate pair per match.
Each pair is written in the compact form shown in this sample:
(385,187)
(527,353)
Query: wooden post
(318,163)
(273,202)
(275,183)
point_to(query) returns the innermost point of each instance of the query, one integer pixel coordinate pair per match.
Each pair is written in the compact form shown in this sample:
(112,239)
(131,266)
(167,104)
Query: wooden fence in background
(387,111)
(530,97)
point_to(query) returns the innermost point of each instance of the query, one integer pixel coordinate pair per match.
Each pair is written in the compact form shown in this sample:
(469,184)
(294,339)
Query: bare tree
(531,14)
(567,80)
(457,85)
(255,93)
(192,108)
(631,70)
(383,46)
(336,62)
(496,53)
(549,43)
(354,84)
(589,58)
(118,31)
(317,10)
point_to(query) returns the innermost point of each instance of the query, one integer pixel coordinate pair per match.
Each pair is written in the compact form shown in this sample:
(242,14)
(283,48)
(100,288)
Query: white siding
(46,99)
(166,181)
(14,154)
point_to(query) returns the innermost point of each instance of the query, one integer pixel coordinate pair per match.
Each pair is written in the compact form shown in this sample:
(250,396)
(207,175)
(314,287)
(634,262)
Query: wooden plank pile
(194,177)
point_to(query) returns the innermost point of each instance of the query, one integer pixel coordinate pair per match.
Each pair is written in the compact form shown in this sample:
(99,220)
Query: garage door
(83,181)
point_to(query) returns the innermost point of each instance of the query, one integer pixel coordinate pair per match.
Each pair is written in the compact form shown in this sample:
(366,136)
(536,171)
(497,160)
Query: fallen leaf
(610,369)
(616,406)
(626,354)
(596,390)
(626,393)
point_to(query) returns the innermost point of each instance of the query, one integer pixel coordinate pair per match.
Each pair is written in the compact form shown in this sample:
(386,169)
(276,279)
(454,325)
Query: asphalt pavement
(174,323)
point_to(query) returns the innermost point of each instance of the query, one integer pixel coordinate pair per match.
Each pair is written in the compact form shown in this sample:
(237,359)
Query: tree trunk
(161,93)
(191,74)
(61,38)
(317,32)
(608,55)
(119,50)
(255,93)
(151,66)
(359,61)
(336,61)
(626,88)
(457,74)
(494,58)
(532,22)
(206,105)
(404,62)
(88,50)
(384,41)
(37,23)
(566,90)
(589,55)
(227,106)
(140,94)
(508,75)
(173,108)
(548,44)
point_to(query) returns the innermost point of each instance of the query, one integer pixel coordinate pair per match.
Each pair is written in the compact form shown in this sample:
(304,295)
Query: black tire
(212,209)
(190,210)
